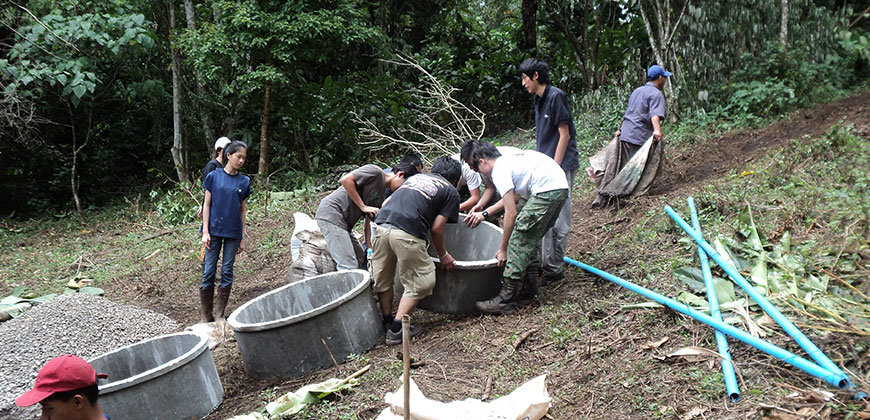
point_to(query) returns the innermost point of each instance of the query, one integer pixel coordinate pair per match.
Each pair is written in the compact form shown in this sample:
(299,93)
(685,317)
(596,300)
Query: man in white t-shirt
(490,198)
(471,180)
(528,174)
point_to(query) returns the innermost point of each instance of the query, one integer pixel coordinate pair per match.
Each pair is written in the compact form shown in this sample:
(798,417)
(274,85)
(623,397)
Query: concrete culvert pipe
(168,377)
(308,325)
(477,275)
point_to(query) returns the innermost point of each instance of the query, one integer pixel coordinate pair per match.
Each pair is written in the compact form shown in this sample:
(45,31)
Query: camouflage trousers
(535,218)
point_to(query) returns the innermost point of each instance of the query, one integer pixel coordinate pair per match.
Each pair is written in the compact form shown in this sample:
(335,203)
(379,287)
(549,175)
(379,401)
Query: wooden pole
(406,363)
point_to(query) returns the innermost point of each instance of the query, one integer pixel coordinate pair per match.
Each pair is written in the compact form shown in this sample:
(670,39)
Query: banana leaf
(719,244)
(746,227)
(692,277)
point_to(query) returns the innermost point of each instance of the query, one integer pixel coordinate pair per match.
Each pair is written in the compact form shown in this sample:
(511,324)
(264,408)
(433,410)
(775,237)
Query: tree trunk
(556,14)
(783,25)
(204,119)
(177,143)
(73,182)
(76,151)
(301,144)
(529,42)
(263,169)
(661,46)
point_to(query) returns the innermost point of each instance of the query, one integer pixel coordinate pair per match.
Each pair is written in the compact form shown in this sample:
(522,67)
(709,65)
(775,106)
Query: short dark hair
(467,150)
(91,392)
(447,167)
(408,169)
(474,150)
(535,65)
(486,150)
(413,159)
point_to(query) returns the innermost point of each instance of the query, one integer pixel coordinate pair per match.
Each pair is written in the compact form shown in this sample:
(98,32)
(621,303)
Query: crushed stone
(80,324)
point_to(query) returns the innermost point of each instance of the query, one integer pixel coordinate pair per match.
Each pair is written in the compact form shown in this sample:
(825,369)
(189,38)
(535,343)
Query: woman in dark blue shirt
(223,226)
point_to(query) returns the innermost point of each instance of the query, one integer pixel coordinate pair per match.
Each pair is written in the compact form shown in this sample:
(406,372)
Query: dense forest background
(106,99)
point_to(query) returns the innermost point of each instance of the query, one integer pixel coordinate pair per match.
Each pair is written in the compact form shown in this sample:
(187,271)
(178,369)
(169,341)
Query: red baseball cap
(64,373)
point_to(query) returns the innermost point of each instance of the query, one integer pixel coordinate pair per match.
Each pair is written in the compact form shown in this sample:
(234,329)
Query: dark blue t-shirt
(551,111)
(227,194)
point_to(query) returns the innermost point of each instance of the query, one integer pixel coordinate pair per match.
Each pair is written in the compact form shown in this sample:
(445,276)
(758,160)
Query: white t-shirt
(528,173)
(469,177)
(509,150)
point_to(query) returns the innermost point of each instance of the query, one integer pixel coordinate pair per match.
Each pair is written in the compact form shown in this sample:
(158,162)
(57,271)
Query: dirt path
(598,368)
(711,159)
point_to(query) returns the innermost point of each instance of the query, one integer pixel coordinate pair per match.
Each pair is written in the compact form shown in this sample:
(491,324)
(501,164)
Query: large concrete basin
(308,325)
(171,377)
(477,275)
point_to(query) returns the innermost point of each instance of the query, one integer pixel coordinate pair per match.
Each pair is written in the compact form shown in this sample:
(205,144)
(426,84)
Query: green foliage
(761,98)
(776,82)
(175,206)
(796,274)
(66,50)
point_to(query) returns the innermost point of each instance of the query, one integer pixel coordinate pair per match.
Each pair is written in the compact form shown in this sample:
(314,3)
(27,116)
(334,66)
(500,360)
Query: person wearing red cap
(67,389)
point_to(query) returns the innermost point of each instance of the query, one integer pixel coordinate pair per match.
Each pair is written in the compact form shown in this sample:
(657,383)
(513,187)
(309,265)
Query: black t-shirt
(414,206)
(210,166)
(551,111)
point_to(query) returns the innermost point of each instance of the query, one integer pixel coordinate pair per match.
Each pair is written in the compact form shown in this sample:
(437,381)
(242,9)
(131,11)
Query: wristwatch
(485,214)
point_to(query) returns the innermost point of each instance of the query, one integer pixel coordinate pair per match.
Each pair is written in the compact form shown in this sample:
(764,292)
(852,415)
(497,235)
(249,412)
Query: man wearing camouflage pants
(528,174)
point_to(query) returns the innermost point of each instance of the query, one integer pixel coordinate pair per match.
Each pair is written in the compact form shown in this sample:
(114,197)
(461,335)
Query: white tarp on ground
(528,402)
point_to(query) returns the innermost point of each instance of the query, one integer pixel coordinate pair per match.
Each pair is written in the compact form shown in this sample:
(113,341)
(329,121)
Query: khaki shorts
(417,274)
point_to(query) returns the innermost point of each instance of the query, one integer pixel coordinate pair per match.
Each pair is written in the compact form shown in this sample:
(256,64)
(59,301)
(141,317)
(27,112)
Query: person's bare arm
(206,214)
(510,218)
(244,211)
(437,231)
(657,127)
(349,184)
(472,201)
(475,216)
(562,147)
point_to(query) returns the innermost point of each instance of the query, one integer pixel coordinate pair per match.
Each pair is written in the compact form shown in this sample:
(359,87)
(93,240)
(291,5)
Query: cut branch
(442,123)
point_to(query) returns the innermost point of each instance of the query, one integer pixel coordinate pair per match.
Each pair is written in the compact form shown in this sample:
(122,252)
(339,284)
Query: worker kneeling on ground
(66,387)
(422,205)
(528,174)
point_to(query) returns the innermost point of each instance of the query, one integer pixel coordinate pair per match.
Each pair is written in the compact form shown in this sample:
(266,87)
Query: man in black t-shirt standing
(556,138)
(420,207)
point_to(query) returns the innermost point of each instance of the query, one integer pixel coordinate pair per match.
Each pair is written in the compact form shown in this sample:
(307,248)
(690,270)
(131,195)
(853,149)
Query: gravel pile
(79,324)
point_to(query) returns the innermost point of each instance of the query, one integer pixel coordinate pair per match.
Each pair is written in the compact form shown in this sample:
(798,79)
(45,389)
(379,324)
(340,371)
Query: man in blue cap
(642,120)
(646,110)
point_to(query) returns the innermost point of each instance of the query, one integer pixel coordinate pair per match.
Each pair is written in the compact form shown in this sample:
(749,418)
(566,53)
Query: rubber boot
(206,302)
(505,302)
(530,284)
(223,296)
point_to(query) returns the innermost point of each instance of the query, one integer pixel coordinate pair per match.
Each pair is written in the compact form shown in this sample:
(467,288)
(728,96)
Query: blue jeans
(209,266)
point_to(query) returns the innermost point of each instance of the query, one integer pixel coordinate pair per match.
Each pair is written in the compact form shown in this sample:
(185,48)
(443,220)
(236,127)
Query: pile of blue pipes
(821,366)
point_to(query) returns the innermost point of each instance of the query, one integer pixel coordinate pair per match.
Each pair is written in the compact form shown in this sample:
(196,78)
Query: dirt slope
(596,359)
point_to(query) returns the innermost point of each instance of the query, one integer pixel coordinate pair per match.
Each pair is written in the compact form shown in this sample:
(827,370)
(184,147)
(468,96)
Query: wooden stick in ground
(406,363)
(328,351)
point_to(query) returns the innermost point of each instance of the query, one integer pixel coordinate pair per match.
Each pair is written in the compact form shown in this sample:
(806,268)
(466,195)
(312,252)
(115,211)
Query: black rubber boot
(206,302)
(223,296)
(505,302)
(530,284)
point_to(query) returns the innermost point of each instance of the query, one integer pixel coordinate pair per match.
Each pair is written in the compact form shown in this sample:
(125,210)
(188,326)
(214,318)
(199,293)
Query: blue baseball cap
(655,71)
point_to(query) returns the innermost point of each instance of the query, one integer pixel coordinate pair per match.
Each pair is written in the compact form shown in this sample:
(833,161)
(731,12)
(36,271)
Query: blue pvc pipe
(786,356)
(814,352)
(721,342)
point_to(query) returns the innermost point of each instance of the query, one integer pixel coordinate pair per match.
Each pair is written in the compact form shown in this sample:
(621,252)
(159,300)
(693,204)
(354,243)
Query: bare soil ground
(600,362)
